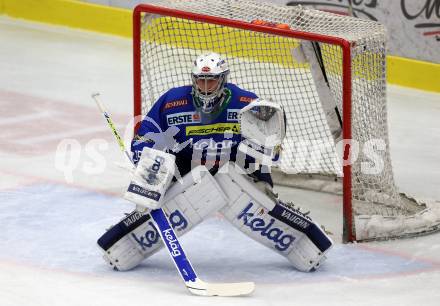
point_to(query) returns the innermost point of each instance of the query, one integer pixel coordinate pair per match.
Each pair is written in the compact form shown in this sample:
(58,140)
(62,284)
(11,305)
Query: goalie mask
(209,76)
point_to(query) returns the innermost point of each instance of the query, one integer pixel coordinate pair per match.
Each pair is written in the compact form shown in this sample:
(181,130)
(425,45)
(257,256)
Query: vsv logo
(151,235)
(268,230)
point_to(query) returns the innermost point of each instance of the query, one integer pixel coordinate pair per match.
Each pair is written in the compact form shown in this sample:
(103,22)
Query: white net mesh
(269,66)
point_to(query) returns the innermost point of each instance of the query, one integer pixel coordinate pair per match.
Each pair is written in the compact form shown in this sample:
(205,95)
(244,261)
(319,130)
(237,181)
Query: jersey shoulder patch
(177,98)
(241,95)
(245,99)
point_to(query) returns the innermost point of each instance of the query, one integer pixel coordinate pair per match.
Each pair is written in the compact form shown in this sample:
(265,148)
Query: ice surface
(51,219)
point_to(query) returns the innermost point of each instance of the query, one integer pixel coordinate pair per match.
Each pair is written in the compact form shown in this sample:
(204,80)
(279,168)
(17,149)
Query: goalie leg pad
(272,223)
(187,203)
(127,243)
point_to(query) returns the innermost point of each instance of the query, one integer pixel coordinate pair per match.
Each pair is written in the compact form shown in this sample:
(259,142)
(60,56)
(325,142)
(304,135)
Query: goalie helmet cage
(328,72)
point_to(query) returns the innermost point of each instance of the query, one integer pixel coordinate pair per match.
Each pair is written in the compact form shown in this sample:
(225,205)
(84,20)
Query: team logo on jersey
(183,118)
(218,128)
(232,114)
(246,99)
(176,103)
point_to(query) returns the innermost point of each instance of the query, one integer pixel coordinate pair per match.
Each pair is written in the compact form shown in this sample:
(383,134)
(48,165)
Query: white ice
(50,219)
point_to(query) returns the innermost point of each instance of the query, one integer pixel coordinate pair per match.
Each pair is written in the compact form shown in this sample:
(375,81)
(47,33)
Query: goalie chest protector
(198,134)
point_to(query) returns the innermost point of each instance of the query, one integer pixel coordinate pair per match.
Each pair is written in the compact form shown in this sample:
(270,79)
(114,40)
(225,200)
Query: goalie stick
(194,284)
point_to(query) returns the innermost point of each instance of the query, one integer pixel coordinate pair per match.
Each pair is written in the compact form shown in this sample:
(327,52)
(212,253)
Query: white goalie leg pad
(272,223)
(187,203)
(119,243)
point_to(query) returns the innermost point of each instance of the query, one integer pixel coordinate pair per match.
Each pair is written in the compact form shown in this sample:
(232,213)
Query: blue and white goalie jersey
(174,124)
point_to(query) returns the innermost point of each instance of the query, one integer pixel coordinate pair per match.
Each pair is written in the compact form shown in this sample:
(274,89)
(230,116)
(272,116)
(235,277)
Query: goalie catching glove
(263,129)
(151,179)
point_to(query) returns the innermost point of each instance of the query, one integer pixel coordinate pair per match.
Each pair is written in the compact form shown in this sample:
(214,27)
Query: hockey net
(328,72)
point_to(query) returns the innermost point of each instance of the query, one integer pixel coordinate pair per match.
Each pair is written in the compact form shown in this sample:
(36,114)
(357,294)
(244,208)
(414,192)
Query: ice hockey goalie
(209,147)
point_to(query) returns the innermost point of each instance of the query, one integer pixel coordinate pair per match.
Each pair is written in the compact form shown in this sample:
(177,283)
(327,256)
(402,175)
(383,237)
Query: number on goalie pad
(286,230)
(186,203)
(151,178)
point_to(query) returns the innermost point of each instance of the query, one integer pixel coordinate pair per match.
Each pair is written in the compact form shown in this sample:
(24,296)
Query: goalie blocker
(151,178)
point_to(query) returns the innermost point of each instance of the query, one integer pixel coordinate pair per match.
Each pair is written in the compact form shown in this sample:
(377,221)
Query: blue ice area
(56,227)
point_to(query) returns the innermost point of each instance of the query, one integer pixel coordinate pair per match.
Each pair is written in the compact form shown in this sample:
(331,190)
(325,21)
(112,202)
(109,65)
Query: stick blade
(220,289)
